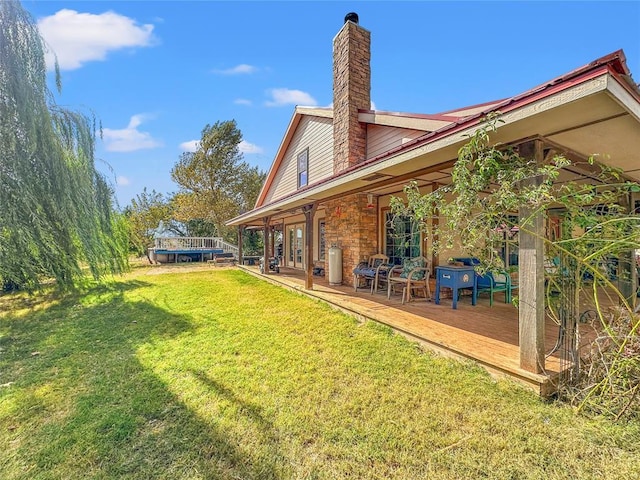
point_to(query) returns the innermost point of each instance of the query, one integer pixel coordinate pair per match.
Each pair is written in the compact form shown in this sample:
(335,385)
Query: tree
(252,242)
(215,183)
(56,210)
(489,183)
(146,213)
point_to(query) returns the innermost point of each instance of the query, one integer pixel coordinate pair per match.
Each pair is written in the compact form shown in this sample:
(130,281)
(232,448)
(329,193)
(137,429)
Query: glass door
(291,235)
(299,247)
(295,246)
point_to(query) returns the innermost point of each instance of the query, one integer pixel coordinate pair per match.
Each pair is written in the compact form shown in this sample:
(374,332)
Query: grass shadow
(50,297)
(251,410)
(78,403)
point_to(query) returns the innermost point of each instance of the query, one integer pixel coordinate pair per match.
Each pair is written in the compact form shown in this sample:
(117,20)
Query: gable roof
(414,121)
(298,113)
(607,74)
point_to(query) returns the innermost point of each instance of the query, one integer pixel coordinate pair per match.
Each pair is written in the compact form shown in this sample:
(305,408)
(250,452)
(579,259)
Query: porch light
(370,203)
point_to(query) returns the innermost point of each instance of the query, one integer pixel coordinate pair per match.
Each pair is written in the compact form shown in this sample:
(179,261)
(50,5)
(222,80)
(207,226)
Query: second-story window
(303,168)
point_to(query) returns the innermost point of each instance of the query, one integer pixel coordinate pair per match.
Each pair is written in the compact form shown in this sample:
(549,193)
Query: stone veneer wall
(350,225)
(351,92)
(353,227)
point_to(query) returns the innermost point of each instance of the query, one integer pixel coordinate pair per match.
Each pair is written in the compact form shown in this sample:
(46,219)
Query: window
(402,237)
(291,238)
(508,247)
(322,242)
(303,168)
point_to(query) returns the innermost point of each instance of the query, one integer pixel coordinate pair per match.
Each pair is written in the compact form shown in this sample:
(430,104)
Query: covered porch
(486,335)
(589,116)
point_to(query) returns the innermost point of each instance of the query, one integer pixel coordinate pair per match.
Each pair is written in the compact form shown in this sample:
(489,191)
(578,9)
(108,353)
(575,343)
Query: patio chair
(370,271)
(491,282)
(412,275)
(495,282)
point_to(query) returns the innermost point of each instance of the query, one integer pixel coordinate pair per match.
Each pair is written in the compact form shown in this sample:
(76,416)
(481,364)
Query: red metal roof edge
(465,122)
(614,62)
(616,59)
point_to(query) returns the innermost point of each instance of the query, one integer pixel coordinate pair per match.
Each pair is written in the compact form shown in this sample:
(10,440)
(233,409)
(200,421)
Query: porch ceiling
(603,141)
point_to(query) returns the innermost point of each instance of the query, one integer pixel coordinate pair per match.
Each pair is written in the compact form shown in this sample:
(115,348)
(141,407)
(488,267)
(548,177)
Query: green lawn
(216,374)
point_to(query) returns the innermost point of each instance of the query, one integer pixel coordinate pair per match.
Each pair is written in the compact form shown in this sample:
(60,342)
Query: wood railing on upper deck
(195,243)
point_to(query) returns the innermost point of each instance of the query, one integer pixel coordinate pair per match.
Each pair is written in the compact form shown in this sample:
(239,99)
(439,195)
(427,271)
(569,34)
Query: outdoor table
(456,278)
(250,259)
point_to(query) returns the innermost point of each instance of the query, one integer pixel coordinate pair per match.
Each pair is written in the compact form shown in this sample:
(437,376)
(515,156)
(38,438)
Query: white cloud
(246,147)
(243,101)
(77,38)
(242,69)
(284,96)
(190,146)
(122,181)
(129,139)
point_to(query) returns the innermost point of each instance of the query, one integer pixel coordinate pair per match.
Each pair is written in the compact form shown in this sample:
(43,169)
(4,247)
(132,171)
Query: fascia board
(621,95)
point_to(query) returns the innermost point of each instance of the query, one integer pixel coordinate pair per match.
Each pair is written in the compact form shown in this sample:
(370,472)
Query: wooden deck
(486,335)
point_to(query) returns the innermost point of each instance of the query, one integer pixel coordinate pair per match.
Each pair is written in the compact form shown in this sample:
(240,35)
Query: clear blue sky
(156,72)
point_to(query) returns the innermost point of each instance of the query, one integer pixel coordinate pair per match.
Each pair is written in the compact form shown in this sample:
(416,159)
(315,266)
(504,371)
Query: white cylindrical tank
(335,266)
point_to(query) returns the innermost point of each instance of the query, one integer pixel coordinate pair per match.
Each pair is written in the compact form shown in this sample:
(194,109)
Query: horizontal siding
(315,133)
(381,139)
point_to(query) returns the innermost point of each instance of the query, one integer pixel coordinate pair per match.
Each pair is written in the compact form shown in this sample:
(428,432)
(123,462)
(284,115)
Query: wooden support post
(240,230)
(309,212)
(627,274)
(435,223)
(634,206)
(531,315)
(266,250)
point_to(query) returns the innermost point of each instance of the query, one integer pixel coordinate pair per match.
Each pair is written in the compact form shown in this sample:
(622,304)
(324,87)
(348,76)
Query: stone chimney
(351,92)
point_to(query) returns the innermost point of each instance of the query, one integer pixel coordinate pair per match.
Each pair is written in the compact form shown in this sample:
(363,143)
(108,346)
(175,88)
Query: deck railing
(195,243)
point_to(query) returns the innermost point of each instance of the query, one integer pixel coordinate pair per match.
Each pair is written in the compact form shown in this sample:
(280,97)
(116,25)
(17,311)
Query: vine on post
(591,244)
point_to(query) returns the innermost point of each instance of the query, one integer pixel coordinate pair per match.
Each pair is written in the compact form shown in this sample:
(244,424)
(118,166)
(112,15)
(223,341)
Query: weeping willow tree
(56,211)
